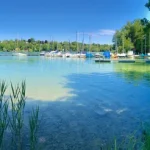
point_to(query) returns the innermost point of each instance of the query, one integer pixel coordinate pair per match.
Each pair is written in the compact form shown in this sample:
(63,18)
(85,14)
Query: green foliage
(32,45)
(148,4)
(132,36)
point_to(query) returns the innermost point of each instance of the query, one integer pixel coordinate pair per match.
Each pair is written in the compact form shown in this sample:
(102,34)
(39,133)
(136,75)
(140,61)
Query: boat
(136,56)
(82,55)
(50,54)
(148,54)
(114,56)
(68,55)
(122,55)
(59,54)
(130,54)
(78,55)
(106,54)
(19,54)
(147,61)
(74,56)
(97,55)
(89,55)
(42,53)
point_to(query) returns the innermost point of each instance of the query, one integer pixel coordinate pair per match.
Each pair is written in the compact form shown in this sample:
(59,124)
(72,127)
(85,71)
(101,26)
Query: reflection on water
(82,104)
(139,72)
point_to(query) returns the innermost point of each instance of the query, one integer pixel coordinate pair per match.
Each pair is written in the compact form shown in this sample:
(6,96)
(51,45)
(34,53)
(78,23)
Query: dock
(126,61)
(147,61)
(102,60)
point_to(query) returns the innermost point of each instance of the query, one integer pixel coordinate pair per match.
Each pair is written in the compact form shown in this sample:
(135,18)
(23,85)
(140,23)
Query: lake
(83,104)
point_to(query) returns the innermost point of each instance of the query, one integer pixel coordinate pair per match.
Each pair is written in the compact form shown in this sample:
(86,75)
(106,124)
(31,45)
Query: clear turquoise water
(82,104)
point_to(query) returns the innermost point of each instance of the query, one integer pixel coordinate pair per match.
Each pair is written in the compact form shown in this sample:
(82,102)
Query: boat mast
(116,46)
(149,42)
(57,45)
(90,36)
(83,42)
(69,45)
(123,42)
(145,44)
(141,42)
(17,42)
(77,40)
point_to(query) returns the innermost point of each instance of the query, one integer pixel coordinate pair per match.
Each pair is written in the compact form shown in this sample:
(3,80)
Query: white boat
(59,54)
(78,55)
(148,54)
(73,56)
(136,56)
(42,53)
(130,54)
(97,55)
(82,55)
(19,54)
(47,54)
(122,55)
(50,54)
(68,55)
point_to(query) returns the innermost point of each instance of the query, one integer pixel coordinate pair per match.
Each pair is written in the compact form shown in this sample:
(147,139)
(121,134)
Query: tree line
(133,36)
(33,45)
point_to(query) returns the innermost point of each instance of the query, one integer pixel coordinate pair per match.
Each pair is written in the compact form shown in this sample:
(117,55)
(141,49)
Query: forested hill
(37,45)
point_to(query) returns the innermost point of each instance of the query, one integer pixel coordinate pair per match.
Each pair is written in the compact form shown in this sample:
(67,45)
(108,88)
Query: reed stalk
(3,112)
(17,114)
(33,124)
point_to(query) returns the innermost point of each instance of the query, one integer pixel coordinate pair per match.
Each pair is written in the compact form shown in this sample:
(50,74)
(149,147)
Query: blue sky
(60,19)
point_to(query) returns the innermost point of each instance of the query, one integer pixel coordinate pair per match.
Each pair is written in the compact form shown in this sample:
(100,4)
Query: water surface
(82,104)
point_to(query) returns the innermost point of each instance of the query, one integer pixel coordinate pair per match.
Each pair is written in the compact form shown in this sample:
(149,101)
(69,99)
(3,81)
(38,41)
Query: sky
(61,19)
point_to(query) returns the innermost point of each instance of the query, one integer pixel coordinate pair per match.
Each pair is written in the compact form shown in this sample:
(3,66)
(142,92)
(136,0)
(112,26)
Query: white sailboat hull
(19,54)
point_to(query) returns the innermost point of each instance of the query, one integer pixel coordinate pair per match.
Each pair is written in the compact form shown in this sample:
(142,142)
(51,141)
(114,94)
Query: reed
(3,112)
(33,124)
(17,114)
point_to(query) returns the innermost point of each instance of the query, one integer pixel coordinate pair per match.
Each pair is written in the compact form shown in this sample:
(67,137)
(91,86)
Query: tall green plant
(3,112)
(33,124)
(17,114)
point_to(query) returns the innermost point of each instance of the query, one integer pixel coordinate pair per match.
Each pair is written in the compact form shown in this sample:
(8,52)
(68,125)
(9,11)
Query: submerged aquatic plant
(146,137)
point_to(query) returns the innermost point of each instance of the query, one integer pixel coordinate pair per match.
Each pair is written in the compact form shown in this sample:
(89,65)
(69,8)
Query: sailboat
(18,53)
(82,54)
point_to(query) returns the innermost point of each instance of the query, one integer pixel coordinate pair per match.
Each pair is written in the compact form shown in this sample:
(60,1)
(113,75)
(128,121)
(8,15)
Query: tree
(31,40)
(148,5)
(130,36)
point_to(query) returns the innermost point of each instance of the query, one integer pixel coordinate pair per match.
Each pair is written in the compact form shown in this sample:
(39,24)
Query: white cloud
(106,32)
(101,32)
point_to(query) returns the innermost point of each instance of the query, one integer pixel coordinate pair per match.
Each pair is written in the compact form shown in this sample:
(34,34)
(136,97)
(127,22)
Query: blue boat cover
(106,54)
